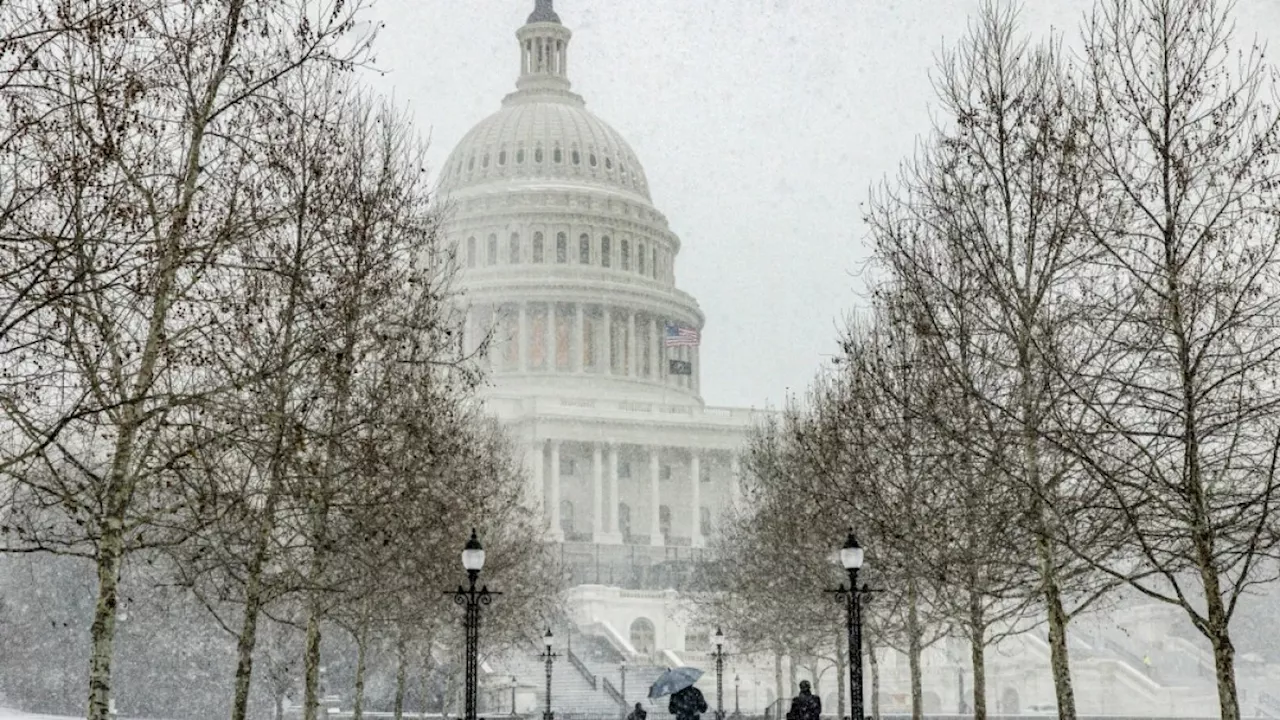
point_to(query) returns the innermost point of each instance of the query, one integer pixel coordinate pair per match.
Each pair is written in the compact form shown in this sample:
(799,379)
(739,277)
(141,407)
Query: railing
(612,692)
(582,668)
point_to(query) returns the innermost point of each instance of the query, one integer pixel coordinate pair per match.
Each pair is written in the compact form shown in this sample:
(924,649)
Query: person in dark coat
(687,704)
(637,714)
(806,705)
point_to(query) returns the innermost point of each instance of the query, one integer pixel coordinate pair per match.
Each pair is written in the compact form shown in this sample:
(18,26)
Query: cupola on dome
(544,131)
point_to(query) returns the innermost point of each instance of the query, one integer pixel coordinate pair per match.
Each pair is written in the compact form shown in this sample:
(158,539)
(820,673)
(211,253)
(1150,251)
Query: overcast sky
(761,125)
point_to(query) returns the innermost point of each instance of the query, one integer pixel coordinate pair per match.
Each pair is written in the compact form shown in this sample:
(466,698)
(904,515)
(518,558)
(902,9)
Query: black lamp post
(719,655)
(472,599)
(851,559)
(736,682)
(550,657)
(514,685)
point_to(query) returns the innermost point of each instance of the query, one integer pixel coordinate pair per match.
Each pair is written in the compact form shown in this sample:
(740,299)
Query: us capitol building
(569,269)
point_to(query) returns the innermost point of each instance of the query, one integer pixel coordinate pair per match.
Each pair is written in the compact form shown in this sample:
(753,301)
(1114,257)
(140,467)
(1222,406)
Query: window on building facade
(640,258)
(502,157)
(471,252)
(520,156)
(584,249)
(624,469)
(577,159)
(537,155)
(605,252)
(664,520)
(704,521)
(664,473)
(626,254)
(492,255)
(566,516)
(566,466)
(513,254)
(558,157)
(654,266)
(562,248)
(704,471)
(537,247)
(624,521)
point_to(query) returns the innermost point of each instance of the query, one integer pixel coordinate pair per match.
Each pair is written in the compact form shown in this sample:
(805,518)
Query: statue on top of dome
(543,12)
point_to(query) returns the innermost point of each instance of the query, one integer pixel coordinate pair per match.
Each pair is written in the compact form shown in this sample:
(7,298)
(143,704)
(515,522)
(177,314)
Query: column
(522,338)
(606,347)
(695,501)
(537,486)
(576,343)
(549,342)
(611,532)
(597,494)
(633,356)
(694,353)
(655,351)
(553,492)
(655,500)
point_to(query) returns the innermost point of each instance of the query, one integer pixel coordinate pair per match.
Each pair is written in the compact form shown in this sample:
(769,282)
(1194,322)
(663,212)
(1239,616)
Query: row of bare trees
(1066,381)
(230,338)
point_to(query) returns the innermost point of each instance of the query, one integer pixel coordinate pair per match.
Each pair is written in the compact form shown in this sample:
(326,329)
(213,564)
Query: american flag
(680,336)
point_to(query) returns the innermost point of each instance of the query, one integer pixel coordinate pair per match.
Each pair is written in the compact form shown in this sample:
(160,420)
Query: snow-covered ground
(11,714)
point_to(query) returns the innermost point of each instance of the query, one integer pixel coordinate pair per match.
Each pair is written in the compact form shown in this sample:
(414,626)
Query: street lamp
(736,682)
(851,559)
(622,670)
(514,685)
(719,658)
(550,657)
(472,599)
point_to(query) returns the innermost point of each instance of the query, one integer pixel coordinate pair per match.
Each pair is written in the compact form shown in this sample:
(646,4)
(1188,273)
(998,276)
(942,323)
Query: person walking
(687,704)
(637,714)
(806,705)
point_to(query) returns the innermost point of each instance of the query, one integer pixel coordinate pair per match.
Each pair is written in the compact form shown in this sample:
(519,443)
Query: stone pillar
(611,532)
(633,365)
(606,347)
(655,500)
(577,342)
(522,338)
(597,494)
(553,492)
(695,500)
(549,353)
(655,350)
(537,485)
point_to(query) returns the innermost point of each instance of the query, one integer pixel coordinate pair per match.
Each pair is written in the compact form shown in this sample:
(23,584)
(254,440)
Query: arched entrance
(642,635)
(1009,704)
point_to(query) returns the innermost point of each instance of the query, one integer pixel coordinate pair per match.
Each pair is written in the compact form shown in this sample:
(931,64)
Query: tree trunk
(311,655)
(791,673)
(875,680)
(978,656)
(914,650)
(362,651)
(402,673)
(248,632)
(1058,657)
(103,630)
(1224,653)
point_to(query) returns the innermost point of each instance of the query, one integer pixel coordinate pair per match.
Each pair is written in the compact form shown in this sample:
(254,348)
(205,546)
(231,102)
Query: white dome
(544,137)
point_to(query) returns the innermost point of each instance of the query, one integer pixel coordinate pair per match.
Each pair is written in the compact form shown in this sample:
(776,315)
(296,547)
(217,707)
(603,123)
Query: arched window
(605,252)
(513,251)
(557,156)
(566,516)
(704,521)
(471,252)
(642,635)
(537,154)
(537,247)
(577,159)
(562,248)
(485,162)
(626,254)
(584,249)
(592,159)
(502,157)
(608,163)
(640,258)
(471,163)
(624,521)
(492,255)
(520,156)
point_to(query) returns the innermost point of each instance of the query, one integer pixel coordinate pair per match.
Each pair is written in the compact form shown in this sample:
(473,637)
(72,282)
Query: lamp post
(622,670)
(550,657)
(851,559)
(719,658)
(514,684)
(736,682)
(472,599)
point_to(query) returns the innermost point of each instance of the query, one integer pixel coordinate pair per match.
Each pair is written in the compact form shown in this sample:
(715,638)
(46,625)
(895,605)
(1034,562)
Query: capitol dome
(568,268)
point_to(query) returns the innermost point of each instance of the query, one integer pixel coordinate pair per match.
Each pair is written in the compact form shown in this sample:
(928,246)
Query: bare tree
(1176,403)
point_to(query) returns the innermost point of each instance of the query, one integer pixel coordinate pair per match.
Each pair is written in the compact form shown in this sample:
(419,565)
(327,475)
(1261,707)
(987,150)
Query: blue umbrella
(673,681)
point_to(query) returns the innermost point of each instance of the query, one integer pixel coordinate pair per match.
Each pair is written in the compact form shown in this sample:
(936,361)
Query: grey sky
(761,125)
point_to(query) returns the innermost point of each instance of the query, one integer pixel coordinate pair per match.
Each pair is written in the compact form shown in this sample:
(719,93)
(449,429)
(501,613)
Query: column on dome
(553,492)
(576,348)
(522,338)
(549,342)
(655,500)
(655,350)
(597,494)
(695,500)
(606,340)
(633,361)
